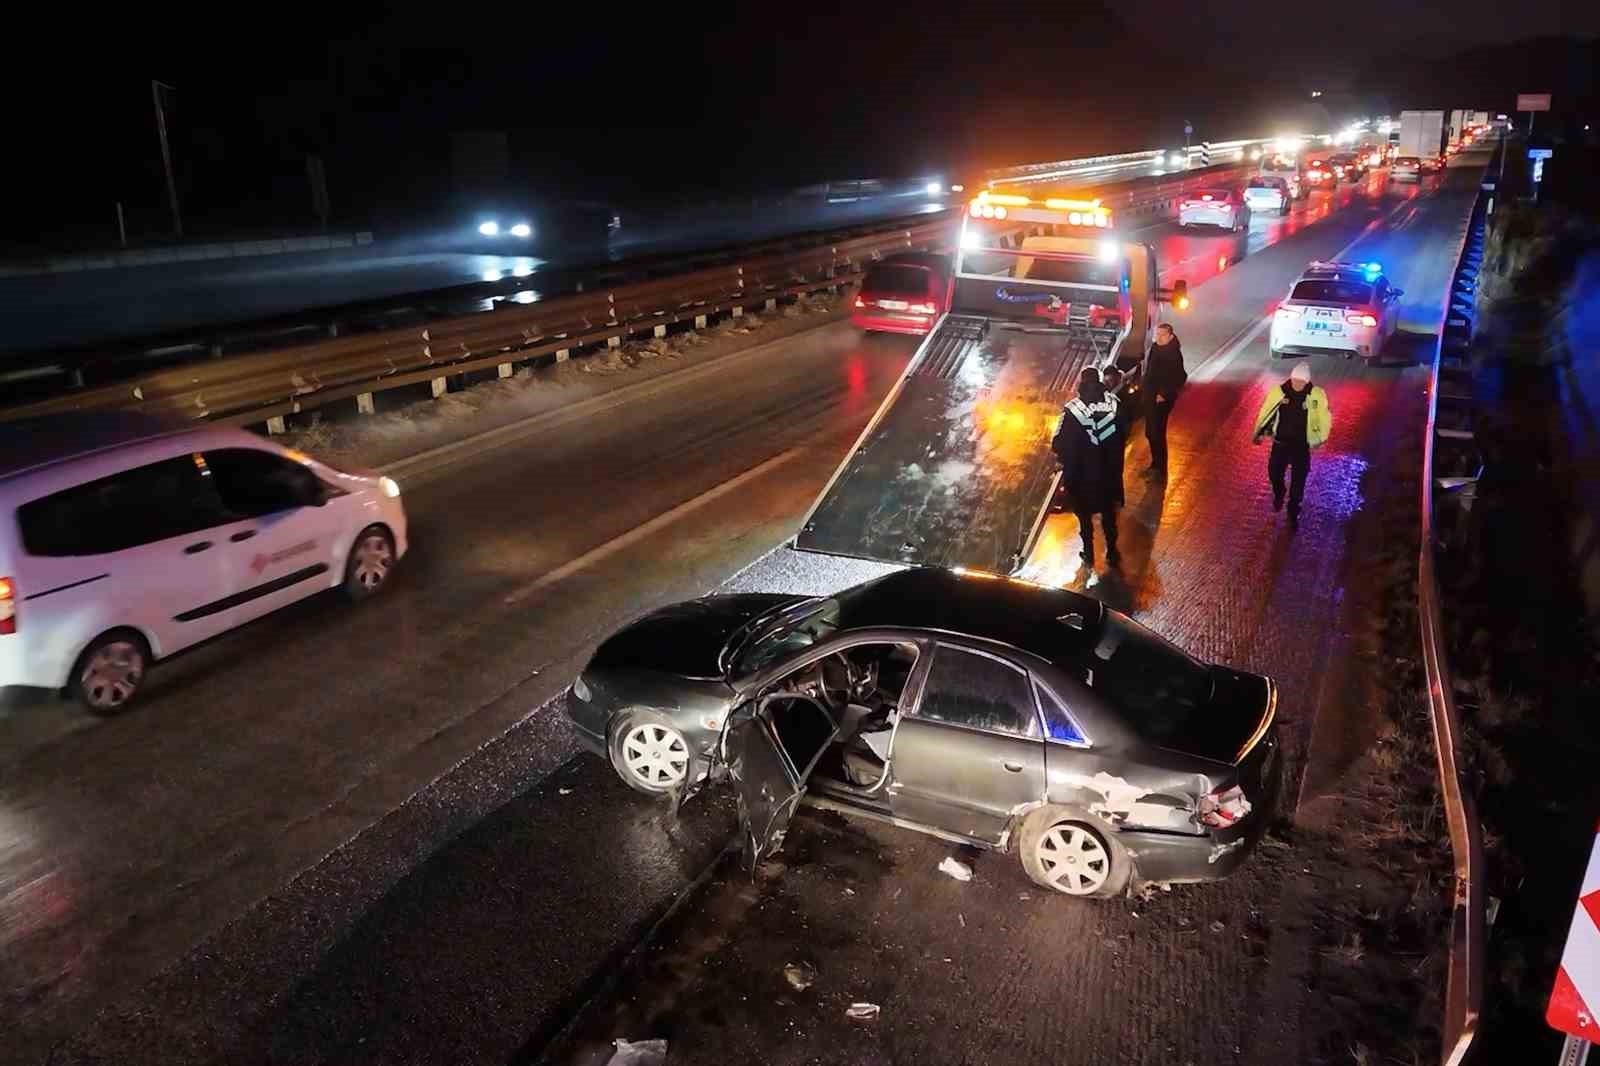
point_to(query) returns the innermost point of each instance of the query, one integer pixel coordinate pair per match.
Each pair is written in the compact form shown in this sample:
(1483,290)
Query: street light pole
(166,155)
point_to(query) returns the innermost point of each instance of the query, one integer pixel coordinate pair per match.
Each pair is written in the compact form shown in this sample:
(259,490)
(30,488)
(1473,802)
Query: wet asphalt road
(262,755)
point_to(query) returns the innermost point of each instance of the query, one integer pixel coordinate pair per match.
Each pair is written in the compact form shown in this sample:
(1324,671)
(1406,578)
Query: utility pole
(166,155)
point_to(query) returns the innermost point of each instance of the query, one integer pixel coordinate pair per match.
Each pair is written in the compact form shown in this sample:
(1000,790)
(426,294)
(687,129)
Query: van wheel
(370,564)
(1063,852)
(108,674)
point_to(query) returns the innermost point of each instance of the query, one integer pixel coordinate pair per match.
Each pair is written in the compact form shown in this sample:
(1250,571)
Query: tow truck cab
(955,469)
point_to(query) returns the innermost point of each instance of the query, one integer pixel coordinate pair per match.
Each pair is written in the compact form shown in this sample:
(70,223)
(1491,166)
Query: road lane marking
(654,525)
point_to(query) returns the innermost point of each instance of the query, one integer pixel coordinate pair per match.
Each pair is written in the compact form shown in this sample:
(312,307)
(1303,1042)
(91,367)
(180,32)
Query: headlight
(581,690)
(390,487)
(489,229)
(972,239)
(933,188)
(1108,251)
(522,229)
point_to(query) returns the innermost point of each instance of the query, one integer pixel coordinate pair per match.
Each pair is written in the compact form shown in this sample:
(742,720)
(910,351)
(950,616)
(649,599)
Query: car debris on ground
(862,1012)
(956,869)
(800,975)
(639,1053)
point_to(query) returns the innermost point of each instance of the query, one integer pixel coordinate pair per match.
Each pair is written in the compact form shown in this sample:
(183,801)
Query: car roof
(1018,613)
(931,260)
(31,443)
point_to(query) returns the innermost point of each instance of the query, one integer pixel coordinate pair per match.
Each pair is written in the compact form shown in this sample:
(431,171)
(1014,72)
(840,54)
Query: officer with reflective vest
(1090,444)
(1296,415)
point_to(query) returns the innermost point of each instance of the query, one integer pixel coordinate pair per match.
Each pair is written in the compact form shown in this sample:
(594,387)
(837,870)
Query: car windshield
(1332,291)
(772,637)
(1215,194)
(1266,183)
(911,280)
(1161,691)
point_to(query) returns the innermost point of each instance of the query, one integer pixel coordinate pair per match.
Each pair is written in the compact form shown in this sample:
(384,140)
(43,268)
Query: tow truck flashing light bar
(1077,212)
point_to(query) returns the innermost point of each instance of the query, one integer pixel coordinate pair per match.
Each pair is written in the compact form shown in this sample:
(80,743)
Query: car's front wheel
(1063,852)
(649,753)
(370,564)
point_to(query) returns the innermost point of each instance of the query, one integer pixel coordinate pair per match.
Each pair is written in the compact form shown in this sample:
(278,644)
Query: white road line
(638,533)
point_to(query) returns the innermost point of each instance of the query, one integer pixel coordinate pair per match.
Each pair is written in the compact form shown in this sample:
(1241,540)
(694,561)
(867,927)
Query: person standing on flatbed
(1089,445)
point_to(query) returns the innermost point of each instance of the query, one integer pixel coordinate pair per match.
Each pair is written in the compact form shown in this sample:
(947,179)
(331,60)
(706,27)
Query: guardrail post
(738,312)
(699,321)
(364,403)
(439,387)
(504,369)
(614,341)
(563,354)
(661,330)
(772,303)
(276,426)
(333,329)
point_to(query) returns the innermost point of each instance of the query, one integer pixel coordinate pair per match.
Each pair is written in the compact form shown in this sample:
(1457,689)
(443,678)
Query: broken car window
(968,689)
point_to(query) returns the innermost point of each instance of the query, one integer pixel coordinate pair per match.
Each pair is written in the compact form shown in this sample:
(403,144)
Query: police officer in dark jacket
(1164,378)
(1090,444)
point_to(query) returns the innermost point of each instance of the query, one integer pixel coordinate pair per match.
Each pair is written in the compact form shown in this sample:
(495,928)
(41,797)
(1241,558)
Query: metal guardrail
(263,387)
(1464,984)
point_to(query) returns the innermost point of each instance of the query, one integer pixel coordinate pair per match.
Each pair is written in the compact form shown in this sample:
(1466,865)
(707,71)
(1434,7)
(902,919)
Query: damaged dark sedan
(978,709)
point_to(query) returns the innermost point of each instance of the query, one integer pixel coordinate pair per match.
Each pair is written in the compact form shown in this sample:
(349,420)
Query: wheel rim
(112,674)
(374,559)
(655,755)
(1073,859)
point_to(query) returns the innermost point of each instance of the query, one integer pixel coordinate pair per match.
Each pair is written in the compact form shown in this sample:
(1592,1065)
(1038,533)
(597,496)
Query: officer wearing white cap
(1296,415)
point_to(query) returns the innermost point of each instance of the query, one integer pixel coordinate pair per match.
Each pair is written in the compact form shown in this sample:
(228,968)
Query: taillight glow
(8,605)
(1361,318)
(921,309)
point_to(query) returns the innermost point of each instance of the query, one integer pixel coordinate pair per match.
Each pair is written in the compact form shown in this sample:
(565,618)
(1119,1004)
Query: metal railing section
(1464,983)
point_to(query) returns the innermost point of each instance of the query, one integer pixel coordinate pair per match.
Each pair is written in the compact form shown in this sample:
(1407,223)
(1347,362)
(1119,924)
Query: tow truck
(955,468)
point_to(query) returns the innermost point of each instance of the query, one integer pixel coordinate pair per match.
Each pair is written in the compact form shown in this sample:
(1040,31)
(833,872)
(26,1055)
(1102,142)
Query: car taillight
(860,303)
(921,309)
(1361,318)
(1223,807)
(1285,309)
(8,605)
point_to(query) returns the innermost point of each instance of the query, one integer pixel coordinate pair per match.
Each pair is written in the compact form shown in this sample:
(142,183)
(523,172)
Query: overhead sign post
(1576,994)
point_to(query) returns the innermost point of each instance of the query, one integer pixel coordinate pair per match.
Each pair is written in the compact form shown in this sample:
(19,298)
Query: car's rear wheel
(1061,851)
(649,753)
(370,564)
(109,673)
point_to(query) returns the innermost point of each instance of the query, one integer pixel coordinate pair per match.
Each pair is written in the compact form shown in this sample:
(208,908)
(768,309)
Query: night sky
(674,100)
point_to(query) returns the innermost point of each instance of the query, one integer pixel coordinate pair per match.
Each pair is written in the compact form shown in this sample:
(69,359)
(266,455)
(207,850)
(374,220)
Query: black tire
(370,564)
(1033,848)
(624,732)
(108,676)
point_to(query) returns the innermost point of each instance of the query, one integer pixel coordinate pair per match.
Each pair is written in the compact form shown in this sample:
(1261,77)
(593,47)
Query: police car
(1337,308)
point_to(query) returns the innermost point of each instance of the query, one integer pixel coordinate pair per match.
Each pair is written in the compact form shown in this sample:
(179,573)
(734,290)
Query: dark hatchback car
(977,709)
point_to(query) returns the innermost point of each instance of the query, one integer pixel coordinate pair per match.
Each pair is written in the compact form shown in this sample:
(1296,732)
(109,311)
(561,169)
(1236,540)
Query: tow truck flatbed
(956,469)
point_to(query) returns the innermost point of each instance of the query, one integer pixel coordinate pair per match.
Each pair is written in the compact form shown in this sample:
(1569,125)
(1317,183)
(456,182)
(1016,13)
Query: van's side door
(136,548)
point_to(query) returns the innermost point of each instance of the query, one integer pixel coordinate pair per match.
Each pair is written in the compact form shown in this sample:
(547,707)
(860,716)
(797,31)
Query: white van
(122,542)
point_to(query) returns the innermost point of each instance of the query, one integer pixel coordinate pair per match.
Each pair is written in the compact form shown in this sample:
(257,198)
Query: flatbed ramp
(955,469)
